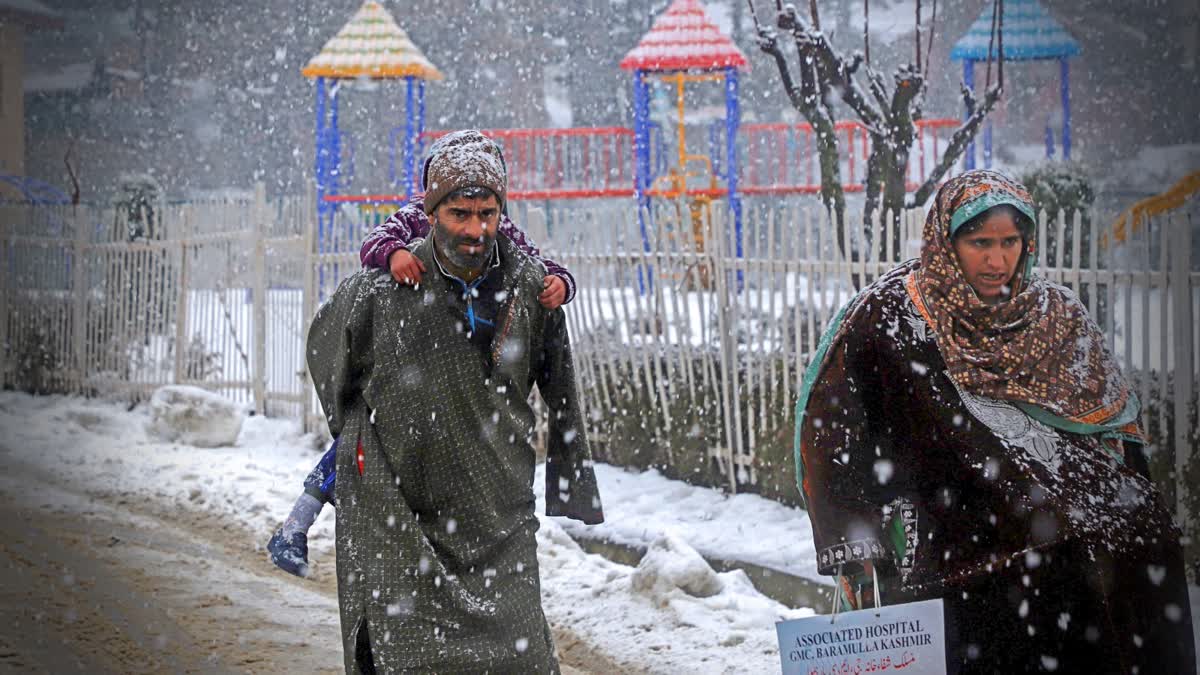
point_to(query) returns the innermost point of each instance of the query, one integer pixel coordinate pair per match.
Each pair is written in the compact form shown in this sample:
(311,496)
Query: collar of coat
(514,272)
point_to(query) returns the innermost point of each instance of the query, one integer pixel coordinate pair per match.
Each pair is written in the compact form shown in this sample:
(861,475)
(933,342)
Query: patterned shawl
(1040,349)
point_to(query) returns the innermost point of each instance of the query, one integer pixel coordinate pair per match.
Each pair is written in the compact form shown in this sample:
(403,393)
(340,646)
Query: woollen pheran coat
(1049,550)
(436,556)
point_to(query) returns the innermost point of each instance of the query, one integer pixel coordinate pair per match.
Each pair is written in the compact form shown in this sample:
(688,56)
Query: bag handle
(840,593)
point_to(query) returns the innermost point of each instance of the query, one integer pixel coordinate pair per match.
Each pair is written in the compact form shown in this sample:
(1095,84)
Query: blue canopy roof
(1030,33)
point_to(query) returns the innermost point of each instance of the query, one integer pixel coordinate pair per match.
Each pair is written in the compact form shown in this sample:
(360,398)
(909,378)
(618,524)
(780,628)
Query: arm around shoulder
(403,229)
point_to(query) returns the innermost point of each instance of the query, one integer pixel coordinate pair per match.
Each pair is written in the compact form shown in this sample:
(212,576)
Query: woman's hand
(405,267)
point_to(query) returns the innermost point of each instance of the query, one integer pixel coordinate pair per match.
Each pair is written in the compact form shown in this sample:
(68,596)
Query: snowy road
(110,583)
(102,579)
(121,552)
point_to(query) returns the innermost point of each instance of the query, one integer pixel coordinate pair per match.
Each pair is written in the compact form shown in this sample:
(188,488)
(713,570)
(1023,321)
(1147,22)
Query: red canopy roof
(684,38)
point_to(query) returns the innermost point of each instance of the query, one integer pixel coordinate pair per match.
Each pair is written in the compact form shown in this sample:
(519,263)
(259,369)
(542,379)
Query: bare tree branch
(929,50)
(806,97)
(769,44)
(918,34)
(875,84)
(909,85)
(71,174)
(867,30)
(955,148)
(1000,39)
(836,71)
(872,187)
(968,99)
(888,113)
(987,84)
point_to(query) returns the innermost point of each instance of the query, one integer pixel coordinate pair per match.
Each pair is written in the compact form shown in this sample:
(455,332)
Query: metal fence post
(181,305)
(308,305)
(1180,234)
(728,372)
(79,294)
(260,219)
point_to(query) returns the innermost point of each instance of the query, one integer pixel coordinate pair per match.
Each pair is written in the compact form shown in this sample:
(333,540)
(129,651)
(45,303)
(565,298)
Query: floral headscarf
(1040,349)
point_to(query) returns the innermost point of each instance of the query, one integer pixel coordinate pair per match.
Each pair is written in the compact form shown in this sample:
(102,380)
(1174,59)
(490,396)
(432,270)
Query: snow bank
(194,416)
(671,565)
(645,620)
(642,506)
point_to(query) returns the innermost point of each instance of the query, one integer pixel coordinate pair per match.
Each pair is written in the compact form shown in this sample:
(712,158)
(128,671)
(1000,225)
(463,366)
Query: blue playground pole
(335,145)
(641,140)
(319,155)
(732,121)
(333,167)
(409,126)
(420,127)
(969,81)
(320,176)
(321,167)
(641,145)
(1065,77)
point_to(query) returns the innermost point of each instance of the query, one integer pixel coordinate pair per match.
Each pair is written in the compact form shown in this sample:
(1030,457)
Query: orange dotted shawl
(1040,349)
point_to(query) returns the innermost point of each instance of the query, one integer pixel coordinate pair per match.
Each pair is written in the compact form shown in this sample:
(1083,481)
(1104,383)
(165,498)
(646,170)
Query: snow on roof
(684,38)
(1029,33)
(371,45)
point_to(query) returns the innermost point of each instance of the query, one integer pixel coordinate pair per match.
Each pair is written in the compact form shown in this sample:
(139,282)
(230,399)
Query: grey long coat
(436,553)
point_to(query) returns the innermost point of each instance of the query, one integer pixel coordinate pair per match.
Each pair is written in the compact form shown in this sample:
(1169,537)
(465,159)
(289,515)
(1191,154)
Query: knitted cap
(460,160)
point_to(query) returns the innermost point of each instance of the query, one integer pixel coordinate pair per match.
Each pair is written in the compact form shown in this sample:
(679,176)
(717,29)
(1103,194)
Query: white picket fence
(222,298)
(733,334)
(216,299)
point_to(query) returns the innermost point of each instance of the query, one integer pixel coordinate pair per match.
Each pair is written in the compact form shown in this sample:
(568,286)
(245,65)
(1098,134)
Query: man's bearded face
(464,229)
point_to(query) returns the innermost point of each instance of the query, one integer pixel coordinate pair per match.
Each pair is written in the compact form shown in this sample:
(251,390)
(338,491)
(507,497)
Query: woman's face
(989,256)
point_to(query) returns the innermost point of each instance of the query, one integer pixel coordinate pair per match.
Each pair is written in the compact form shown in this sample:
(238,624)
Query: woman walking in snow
(964,434)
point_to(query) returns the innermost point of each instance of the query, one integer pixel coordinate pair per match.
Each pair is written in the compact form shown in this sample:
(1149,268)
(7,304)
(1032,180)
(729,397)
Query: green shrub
(1062,189)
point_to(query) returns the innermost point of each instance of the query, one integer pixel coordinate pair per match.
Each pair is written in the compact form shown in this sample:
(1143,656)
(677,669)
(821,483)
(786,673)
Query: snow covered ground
(640,507)
(672,613)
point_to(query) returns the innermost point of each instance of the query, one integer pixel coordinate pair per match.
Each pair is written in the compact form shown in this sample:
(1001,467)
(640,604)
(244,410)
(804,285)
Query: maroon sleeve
(404,228)
(510,230)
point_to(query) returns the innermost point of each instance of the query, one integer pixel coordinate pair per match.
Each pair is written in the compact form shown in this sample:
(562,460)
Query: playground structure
(1132,218)
(1026,33)
(648,162)
(370,46)
(682,46)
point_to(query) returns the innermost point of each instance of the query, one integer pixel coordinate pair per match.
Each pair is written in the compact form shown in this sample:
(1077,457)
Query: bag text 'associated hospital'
(863,640)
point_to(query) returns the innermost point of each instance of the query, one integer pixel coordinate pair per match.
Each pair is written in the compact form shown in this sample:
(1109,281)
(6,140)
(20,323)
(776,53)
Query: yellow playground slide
(1131,218)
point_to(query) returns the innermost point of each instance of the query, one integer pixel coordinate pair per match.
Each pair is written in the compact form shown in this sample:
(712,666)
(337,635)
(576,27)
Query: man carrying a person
(428,392)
